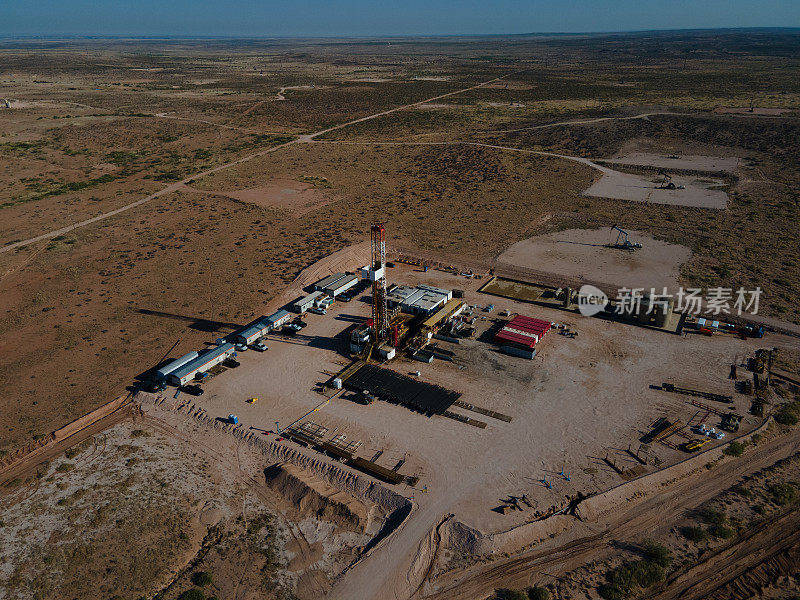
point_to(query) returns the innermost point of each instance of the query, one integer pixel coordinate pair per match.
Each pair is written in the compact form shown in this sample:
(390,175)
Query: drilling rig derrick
(377,274)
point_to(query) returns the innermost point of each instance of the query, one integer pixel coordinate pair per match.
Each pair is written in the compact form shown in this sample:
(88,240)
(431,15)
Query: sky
(341,18)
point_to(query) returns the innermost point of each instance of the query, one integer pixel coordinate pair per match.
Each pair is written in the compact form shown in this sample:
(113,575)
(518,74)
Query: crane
(622,240)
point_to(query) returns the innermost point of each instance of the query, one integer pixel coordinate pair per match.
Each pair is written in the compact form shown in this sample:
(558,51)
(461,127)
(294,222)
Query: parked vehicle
(156,386)
(259,347)
(318,311)
(231,363)
(193,390)
(241,348)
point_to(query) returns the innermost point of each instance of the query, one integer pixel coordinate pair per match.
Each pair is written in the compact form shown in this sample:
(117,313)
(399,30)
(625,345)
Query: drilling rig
(377,275)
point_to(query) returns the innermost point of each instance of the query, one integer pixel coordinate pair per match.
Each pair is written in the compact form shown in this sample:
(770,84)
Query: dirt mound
(312,496)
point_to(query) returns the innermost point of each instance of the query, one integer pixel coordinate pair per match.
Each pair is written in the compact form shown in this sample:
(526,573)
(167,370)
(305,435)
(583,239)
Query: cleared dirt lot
(585,253)
(578,398)
(295,197)
(712,164)
(698,193)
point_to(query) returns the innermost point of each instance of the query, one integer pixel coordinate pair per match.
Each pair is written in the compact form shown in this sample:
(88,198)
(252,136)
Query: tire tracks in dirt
(643,518)
(740,569)
(259,489)
(27,464)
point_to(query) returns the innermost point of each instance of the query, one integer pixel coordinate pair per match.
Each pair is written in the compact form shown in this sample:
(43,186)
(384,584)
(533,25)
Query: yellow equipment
(252,400)
(695,445)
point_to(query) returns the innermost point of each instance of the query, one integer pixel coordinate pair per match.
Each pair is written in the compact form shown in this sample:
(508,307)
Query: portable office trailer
(175,364)
(202,363)
(328,281)
(341,285)
(252,334)
(278,318)
(304,304)
(249,333)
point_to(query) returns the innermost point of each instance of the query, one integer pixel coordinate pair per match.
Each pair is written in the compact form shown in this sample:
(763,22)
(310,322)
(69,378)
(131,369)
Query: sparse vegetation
(202,579)
(784,493)
(628,579)
(81,304)
(734,449)
(538,593)
(713,516)
(788,413)
(694,533)
(657,553)
(722,531)
(507,594)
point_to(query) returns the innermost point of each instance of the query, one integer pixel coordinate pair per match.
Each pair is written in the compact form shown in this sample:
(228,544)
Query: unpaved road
(177,185)
(29,463)
(590,121)
(634,522)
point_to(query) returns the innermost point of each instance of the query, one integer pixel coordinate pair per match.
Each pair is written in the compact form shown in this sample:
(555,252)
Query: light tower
(377,275)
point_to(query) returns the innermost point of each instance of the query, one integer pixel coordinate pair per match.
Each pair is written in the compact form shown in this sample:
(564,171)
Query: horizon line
(131,36)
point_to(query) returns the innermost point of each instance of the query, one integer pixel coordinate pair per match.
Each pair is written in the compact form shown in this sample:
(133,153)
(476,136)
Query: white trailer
(175,364)
(201,364)
(253,333)
(304,304)
(278,318)
(341,285)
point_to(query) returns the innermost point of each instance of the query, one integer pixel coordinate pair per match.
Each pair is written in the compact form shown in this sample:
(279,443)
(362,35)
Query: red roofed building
(520,335)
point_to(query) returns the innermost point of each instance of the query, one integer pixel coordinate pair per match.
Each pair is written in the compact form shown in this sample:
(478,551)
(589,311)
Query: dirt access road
(738,571)
(590,121)
(179,184)
(590,541)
